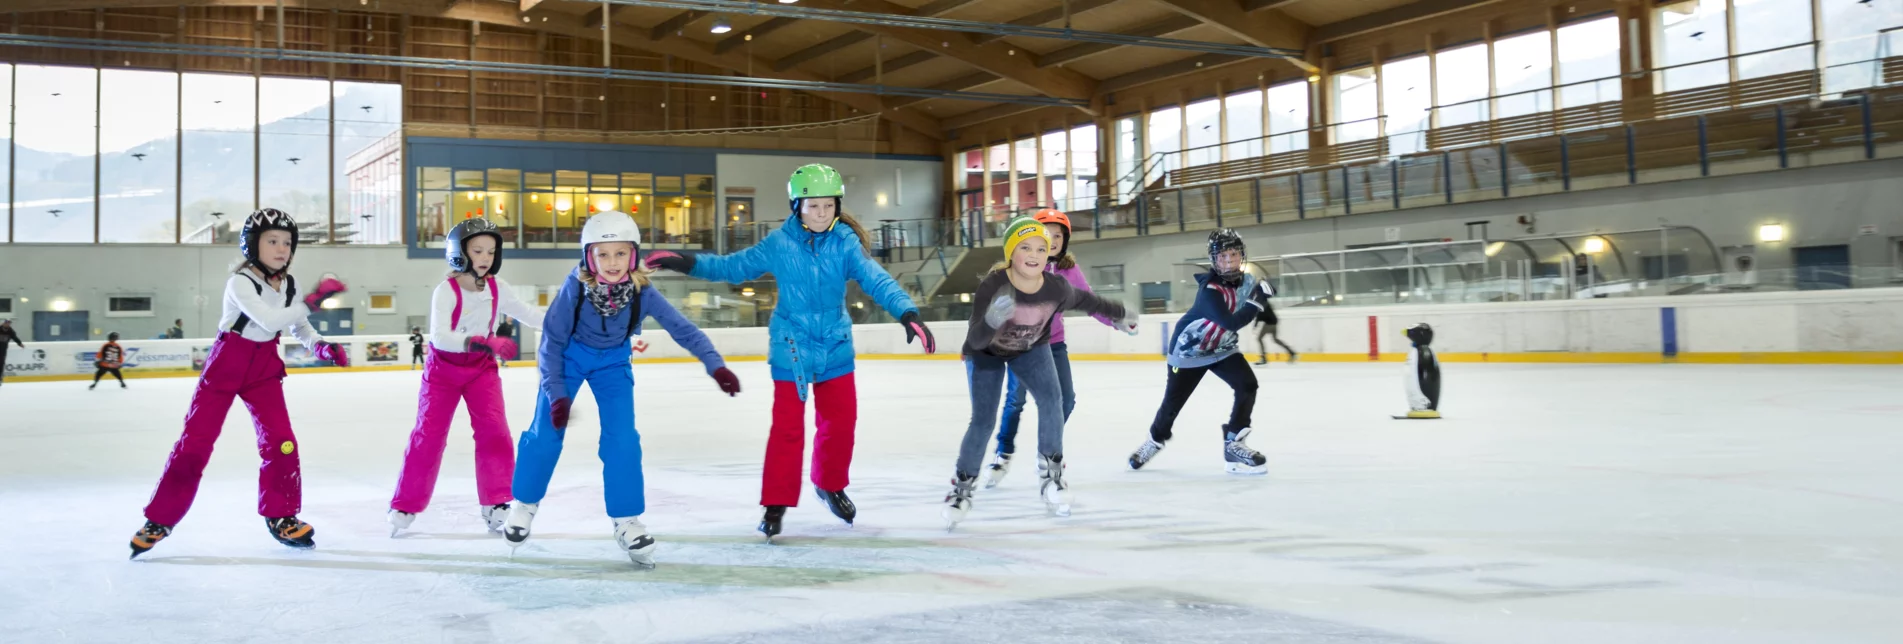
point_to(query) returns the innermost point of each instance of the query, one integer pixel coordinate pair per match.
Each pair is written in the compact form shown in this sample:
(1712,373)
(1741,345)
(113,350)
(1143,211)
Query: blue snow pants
(611,379)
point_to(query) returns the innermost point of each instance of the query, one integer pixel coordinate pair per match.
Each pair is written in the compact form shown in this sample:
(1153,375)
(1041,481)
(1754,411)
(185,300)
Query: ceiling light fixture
(721,26)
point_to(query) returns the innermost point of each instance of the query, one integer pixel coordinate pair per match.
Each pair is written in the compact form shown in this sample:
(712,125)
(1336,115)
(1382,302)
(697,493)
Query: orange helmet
(1055,216)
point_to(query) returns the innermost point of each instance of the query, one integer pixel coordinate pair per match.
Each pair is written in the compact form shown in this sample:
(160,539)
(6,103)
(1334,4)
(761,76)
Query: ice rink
(1556,503)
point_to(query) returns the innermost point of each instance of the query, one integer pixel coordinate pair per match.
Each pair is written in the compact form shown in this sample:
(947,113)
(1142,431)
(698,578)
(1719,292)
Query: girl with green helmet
(811,257)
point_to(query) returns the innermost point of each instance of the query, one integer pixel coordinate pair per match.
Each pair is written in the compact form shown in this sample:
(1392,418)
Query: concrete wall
(1824,205)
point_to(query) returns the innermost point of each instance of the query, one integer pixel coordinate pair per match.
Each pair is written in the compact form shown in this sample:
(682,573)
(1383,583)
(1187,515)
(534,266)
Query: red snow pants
(836,411)
(449,377)
(236,368)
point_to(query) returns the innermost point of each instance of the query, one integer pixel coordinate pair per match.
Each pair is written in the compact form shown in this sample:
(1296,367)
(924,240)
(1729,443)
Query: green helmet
(815,180)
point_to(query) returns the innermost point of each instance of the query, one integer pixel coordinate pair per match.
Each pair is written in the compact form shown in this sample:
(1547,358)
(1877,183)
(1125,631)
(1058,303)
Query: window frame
(151,303)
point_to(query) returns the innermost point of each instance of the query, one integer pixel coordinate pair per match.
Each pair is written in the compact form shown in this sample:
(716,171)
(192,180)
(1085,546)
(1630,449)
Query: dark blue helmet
(455,249)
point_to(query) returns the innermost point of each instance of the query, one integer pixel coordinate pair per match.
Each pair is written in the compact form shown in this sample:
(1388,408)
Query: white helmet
(611,226)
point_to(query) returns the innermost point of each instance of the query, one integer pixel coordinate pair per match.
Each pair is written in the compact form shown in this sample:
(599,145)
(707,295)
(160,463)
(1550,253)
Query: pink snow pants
(447,377)
(244,369)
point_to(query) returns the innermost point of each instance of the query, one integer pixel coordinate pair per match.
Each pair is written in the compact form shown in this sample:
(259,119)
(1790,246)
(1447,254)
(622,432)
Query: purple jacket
(1075,276)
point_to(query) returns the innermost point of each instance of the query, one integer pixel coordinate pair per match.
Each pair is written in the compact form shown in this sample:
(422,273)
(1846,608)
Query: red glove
(558,412)
(327,288)
(729,383)
(494,345)
(333,353)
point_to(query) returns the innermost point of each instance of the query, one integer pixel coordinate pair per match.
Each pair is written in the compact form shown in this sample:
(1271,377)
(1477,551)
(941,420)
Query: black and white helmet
(1421,334)
(254,227)
(456,247)
(1222,239)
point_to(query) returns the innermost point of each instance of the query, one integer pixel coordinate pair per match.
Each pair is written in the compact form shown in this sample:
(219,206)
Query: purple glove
(333,353)
(915,329)
(327,288)
(558,412)
(494,345)
(729,383)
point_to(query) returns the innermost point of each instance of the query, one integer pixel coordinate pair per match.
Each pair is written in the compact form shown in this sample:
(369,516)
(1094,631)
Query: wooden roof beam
(1266,28)
(673,25)
(846,40)
(1047,16)
(1001,59)
(896,64)
(757,31)
(958,84)
(1397,16)
(1168,25)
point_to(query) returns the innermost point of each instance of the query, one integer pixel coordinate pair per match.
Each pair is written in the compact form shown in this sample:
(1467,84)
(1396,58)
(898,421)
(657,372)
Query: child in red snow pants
(449,376)
(836,407)
(243,369)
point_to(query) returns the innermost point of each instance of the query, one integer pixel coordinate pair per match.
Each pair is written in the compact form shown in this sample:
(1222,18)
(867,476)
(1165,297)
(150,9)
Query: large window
(1055,177)
(1857,32)
(138,162)
(1460,80)
(1523,74)
(56,136)
(1288,117)
(368,171)
(1205,133)
(1692,45)
(1773,37)
(1357,106)
(6,163)
(1244,120)
(1406,94)
(1129,157)
(1589,62)
(1083,160)
(294,152)
(220,115)
(1166,141)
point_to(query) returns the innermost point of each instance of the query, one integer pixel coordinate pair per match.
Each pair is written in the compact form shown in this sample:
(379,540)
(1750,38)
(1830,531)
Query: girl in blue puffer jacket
(811,257)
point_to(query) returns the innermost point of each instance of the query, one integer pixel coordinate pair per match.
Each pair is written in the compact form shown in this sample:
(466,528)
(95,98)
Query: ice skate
(1238,458)
(147,537)
(1000,466)
(400,521)
(1054,489)
(634,540)
(292,532)
(958,502)
(1144,453)
(841,506)
(495,516)
(770,522)
(516,528)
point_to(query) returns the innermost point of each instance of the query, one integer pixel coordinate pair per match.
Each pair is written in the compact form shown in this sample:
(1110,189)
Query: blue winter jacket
(811,334)
(571,318)
(1207,332)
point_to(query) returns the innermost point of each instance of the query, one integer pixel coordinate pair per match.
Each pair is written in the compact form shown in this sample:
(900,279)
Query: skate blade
(1247,470)
(1057,510)
(1419,415)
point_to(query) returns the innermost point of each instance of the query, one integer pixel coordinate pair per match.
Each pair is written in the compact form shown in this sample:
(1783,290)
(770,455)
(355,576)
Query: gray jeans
(1037,372)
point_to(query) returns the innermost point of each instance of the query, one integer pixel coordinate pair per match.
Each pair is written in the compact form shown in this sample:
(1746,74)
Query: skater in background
(110,357)
(260,304)
(1062,264)
(1205,342)
(1011,331)
(416,347)
(1423,374)
(462,367)
(7,337)
(1265,323)
(585,340)
(812,257)
(177,332)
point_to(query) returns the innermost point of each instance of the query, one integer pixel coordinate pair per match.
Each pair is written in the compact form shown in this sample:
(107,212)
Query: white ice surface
(1556,503)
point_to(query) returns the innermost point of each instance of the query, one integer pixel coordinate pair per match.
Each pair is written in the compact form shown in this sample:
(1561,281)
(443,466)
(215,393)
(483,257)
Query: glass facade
(132,156)
(546,208)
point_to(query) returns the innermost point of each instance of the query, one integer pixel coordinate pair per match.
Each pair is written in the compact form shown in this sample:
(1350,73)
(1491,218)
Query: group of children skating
(1014,346)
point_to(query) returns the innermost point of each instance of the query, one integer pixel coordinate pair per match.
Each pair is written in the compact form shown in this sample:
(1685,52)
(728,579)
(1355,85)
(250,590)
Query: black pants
(1268,331)
(1182,382)
(105,370)
(416,355)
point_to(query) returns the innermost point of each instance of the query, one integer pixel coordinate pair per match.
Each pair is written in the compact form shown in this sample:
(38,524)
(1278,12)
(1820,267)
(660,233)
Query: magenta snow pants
(245,369)
(447,377)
